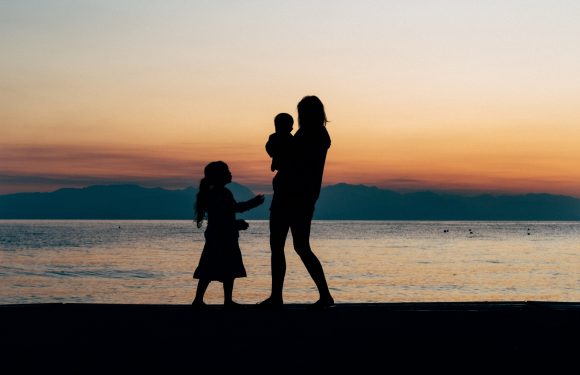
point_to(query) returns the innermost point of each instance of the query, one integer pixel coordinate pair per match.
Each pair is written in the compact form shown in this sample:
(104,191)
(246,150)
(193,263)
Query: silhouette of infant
(278,145)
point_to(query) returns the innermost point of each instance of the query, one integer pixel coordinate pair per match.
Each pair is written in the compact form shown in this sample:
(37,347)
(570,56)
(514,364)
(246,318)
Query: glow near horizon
(454,95)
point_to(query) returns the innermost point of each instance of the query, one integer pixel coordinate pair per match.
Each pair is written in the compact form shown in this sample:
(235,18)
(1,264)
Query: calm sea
(365,261)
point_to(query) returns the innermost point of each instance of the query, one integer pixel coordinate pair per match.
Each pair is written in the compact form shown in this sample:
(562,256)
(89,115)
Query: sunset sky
(457,95)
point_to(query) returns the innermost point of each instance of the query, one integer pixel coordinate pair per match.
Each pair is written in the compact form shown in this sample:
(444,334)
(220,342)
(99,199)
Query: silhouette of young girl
(221,258)
(296,190)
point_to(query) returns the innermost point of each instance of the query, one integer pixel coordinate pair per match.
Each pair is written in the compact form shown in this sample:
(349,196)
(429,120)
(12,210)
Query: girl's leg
(228,292)
(202,285)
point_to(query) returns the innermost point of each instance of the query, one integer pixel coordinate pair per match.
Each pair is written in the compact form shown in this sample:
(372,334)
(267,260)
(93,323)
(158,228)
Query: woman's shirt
(309,149)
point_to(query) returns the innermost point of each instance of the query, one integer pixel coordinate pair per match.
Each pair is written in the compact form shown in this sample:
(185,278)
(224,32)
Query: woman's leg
(202,285)
(301,235)
(278,232)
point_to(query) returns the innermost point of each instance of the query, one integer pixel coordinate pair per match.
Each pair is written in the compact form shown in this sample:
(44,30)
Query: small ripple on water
(105,273)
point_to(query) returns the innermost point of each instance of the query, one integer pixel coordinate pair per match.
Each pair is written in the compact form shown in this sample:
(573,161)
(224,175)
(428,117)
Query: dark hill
(337,202)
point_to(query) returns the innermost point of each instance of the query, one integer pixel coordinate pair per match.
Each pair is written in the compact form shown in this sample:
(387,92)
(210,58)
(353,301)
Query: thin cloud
(26,168)
(44,168)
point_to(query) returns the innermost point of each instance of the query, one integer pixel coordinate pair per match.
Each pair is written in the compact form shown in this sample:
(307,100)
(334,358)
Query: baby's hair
(283,120)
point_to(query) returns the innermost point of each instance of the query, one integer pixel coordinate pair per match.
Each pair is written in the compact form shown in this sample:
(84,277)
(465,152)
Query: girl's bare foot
(271,303)
(232,305)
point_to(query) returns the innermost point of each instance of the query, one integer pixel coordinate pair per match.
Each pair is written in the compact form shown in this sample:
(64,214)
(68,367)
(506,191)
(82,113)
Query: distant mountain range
(337,202)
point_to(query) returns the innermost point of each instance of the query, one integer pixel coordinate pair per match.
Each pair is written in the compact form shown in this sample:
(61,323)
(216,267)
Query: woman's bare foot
(271,303)
(198,304)
(322,304)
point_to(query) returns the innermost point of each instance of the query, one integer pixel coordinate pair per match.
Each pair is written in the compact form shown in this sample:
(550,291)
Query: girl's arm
(248,205)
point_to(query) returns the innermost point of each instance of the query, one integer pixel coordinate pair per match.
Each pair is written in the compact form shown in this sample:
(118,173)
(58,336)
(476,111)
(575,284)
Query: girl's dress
(221,258)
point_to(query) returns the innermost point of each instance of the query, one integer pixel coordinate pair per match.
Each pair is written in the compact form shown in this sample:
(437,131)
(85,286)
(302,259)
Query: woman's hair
(311,112)
(214,173)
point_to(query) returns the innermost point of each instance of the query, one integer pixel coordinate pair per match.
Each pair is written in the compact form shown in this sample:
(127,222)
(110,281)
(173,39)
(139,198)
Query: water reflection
(153,261)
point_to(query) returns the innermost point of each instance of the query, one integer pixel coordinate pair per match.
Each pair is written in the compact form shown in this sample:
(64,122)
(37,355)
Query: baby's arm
(271,145)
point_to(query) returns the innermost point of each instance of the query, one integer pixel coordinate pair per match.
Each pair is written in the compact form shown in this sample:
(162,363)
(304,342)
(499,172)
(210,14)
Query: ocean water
(76,261)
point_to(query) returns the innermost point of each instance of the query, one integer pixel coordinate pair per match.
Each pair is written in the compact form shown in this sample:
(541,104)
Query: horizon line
(461,192)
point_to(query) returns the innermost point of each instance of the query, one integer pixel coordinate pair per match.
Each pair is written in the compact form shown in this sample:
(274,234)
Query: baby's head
(283,123)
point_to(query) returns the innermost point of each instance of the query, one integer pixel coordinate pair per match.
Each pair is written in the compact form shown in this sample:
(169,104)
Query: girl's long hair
(213,173)
(201,201)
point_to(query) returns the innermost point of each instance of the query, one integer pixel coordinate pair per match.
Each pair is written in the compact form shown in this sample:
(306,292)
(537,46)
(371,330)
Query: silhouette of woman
(296,190)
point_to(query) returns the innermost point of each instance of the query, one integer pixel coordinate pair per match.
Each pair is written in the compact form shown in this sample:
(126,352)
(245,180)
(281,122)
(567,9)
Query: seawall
(346,336)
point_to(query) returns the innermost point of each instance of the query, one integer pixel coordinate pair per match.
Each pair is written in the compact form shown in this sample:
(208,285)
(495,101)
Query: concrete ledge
(353,336)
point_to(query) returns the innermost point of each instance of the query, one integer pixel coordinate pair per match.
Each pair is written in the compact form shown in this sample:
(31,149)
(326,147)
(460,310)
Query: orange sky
(461,97)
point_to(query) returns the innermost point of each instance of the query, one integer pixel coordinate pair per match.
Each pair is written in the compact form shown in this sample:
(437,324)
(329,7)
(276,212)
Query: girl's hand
(242,225)
(258,199)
